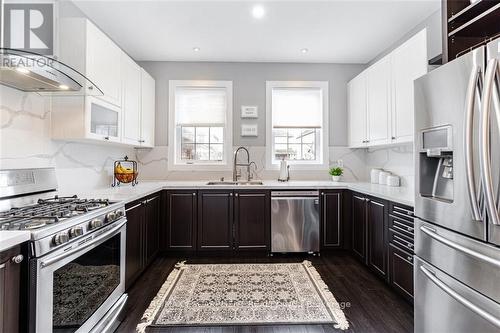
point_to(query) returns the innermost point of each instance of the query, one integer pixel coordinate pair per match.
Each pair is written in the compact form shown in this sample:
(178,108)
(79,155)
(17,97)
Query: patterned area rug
(243,294)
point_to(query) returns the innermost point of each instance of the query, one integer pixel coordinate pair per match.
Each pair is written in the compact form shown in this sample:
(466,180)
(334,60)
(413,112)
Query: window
(200,124)
(297,123)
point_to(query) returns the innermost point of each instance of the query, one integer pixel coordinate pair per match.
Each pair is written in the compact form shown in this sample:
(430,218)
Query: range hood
(32,72)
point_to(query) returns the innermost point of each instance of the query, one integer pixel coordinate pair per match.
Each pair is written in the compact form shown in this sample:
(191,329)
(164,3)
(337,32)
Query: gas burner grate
(48,211)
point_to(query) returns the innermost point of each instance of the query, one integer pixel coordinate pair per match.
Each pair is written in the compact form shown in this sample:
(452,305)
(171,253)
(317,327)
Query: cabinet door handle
(236,194)
(18,259)
(393,138)
(230,194)
(106,138)
(194,194)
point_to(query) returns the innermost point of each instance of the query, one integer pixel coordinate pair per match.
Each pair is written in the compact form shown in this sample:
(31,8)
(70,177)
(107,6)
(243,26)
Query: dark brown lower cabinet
(382,237)
(358,215)
(152,214)
(377,235)
(215,220)
(181,221)
(233,220)
(10,280)
(252,220)
(331,220)
(401,271)
(134,265)
(142,236)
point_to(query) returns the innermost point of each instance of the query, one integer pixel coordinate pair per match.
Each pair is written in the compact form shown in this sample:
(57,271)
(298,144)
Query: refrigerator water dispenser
(436,163)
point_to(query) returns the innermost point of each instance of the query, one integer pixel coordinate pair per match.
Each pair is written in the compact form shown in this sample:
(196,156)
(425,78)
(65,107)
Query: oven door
(79,284)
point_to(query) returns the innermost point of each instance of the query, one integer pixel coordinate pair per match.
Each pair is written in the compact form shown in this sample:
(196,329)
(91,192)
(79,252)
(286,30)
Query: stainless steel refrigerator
(457,194)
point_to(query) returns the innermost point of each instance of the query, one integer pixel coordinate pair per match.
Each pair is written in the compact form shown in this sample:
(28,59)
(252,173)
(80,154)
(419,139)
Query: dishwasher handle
(316,200)
(293,194)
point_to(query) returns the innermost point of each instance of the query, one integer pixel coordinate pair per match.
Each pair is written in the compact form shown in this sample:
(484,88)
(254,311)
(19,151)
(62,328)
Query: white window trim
(225,164)
(297,165)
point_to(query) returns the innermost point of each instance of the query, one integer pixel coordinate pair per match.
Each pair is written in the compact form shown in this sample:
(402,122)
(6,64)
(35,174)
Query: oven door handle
(104,236)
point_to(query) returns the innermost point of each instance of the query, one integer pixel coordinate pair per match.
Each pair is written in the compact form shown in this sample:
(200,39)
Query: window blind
(200,106)
(297,107)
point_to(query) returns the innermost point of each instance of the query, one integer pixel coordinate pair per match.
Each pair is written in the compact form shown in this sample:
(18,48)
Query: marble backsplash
(397,159)
(357,165)
(153,165)
(25,142)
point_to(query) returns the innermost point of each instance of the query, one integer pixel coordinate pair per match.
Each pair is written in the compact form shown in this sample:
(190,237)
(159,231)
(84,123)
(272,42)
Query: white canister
(382,177)
(374,175)
(393,180)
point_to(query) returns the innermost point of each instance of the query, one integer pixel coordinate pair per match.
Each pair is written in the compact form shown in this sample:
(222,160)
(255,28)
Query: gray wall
(249,88)
(434,41)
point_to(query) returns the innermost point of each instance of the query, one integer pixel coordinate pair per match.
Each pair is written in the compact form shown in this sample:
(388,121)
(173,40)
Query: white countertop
(127,193)
(402,195)
(12,238)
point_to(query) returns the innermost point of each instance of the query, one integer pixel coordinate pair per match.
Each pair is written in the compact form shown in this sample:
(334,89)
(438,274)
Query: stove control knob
(61,238)
(118,213)
(95,223)
(75,232)
(110,217)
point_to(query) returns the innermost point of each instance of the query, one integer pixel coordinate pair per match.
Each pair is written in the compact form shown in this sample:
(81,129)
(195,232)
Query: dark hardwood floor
(370,305)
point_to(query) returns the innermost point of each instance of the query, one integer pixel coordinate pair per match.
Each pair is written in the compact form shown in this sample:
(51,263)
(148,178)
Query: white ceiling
(332,31)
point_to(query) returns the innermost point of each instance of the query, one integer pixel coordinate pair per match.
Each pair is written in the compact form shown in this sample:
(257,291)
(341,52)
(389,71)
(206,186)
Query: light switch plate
(249,111)
(249,130)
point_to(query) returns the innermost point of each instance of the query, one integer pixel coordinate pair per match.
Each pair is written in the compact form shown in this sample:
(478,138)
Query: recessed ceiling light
(22,70)
(304,50)
(196,49)
(63,87)
(258,11)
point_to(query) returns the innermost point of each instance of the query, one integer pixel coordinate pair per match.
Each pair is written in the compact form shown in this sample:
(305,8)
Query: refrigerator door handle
(475,85)
(492,71)
(459,298)
(433,234)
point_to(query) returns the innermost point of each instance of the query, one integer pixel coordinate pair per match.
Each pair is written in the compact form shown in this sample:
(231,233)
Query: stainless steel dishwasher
(294,221)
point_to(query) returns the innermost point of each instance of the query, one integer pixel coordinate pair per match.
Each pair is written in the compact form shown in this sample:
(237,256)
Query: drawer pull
(401,231)
(409,258)
(401,217)
(402,239)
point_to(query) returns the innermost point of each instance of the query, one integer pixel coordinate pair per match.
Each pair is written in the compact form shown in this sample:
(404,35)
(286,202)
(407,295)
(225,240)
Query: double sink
(239,182)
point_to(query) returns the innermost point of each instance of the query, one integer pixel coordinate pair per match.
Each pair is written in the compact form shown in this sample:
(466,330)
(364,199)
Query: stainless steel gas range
(75,272)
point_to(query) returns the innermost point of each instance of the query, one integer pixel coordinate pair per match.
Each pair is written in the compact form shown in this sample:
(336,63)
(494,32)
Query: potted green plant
(336,173)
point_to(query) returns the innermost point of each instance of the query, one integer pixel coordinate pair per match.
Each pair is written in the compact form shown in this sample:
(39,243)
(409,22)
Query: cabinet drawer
(401,226)
(401,241)
(402,212)
(401,271)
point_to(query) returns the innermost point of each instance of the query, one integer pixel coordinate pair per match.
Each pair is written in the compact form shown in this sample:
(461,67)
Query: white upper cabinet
(131,101)
(125,113)
(409,62)
(147,110)
(378,85)
(388,96)
(356,90)
(87,49)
